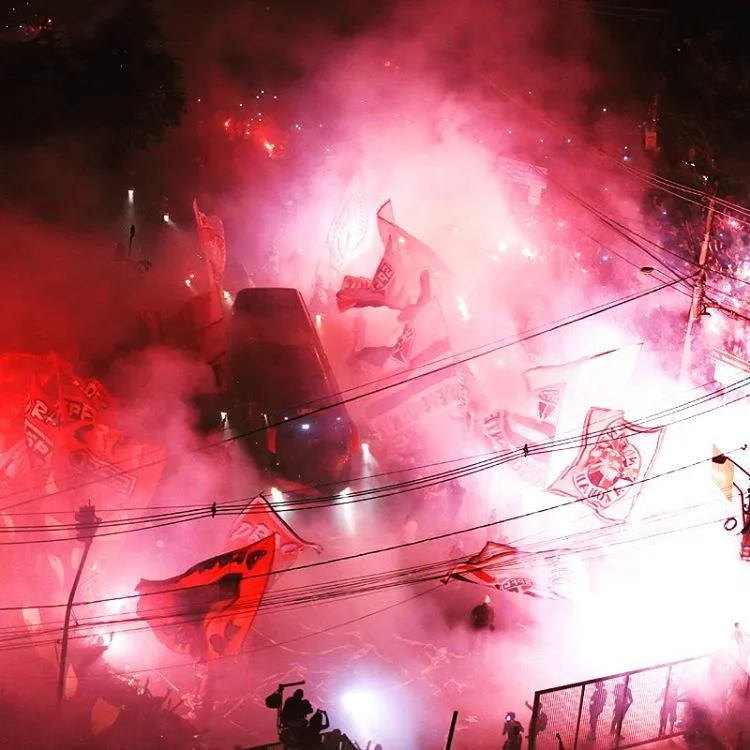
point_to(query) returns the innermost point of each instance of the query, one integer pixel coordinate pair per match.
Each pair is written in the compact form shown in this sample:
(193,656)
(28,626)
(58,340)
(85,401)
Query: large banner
(615,457)
(57,435)
(208,611)
(541,415)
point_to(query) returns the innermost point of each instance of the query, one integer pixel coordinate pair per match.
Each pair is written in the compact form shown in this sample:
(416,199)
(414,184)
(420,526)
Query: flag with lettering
(104,465)
(397,282)
(260,520)
(425,394)
(207,612)
(614,459)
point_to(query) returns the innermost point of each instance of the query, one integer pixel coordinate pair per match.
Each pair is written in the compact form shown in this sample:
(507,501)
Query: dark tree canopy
(117,84)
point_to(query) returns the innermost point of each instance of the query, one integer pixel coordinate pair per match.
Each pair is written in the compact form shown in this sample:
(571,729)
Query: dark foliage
(117,84)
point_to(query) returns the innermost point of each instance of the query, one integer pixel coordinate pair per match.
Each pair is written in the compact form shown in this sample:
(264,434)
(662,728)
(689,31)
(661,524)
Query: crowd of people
(301,727)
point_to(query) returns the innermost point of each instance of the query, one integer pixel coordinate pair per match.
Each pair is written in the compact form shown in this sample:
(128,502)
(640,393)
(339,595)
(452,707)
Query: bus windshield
(275,360)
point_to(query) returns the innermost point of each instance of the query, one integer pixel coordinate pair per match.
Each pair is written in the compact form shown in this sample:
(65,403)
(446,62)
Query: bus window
(279,372)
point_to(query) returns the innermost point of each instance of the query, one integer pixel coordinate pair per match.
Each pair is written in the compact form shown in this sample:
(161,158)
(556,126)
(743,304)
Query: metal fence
(646,705)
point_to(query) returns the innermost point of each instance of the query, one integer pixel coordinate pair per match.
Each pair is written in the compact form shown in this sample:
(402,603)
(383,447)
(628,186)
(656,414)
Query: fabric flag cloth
(349,228)
(615,457)
(397,279)
(114,472)
(506,568)
(537,420)
(207,612)
(214,247)
(258,521)
(423,340)
(722,473)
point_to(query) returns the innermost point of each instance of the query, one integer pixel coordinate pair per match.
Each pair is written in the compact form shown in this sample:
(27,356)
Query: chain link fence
(708,695)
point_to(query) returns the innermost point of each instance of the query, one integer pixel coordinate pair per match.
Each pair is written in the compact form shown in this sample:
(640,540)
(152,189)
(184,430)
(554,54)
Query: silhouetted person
(510,723)
(483,616)
(623,701)
(668,711)
(318,723)
(596,707)
(540,725)
(514,739)
(296,710)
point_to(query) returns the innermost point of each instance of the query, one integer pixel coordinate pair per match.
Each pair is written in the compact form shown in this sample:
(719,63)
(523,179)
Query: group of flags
(555,419)
(59,436)
(434,384)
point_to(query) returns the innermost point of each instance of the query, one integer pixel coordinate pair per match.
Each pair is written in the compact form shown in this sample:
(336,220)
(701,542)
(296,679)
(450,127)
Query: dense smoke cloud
(423,102)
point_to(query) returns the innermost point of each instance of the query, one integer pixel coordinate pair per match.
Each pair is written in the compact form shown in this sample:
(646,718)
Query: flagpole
(87,522)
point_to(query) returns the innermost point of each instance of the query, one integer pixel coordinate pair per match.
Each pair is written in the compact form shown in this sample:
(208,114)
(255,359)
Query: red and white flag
(615,457)
(207,612)
(424,340)
(397,282)
(505,568)
(214,247)
(258,521)
(546,409)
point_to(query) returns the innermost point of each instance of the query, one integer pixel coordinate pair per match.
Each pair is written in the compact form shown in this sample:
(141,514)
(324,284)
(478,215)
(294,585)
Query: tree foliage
(117,84)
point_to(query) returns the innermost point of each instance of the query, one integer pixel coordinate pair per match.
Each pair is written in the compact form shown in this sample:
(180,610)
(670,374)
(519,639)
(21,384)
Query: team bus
(283,397)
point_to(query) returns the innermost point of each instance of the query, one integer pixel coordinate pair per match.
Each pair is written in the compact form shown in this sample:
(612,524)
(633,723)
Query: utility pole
(87,523)
(451,731)
(696,304)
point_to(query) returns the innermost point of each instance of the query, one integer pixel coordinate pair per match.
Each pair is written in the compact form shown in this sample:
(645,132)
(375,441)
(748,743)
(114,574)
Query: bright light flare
(318,320)
(131,195)
(228,297)
(270,148)
(167,219)
(364,709)
(277,496)
(463,309)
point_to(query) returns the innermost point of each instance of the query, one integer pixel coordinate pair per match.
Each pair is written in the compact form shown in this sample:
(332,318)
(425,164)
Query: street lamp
(721,459)
(87,523)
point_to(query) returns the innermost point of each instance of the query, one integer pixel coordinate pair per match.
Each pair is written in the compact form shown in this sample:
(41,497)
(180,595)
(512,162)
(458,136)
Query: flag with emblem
(397,282)
(260,520)
(614,459)
(536,420)
(506,568)
(207,612)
